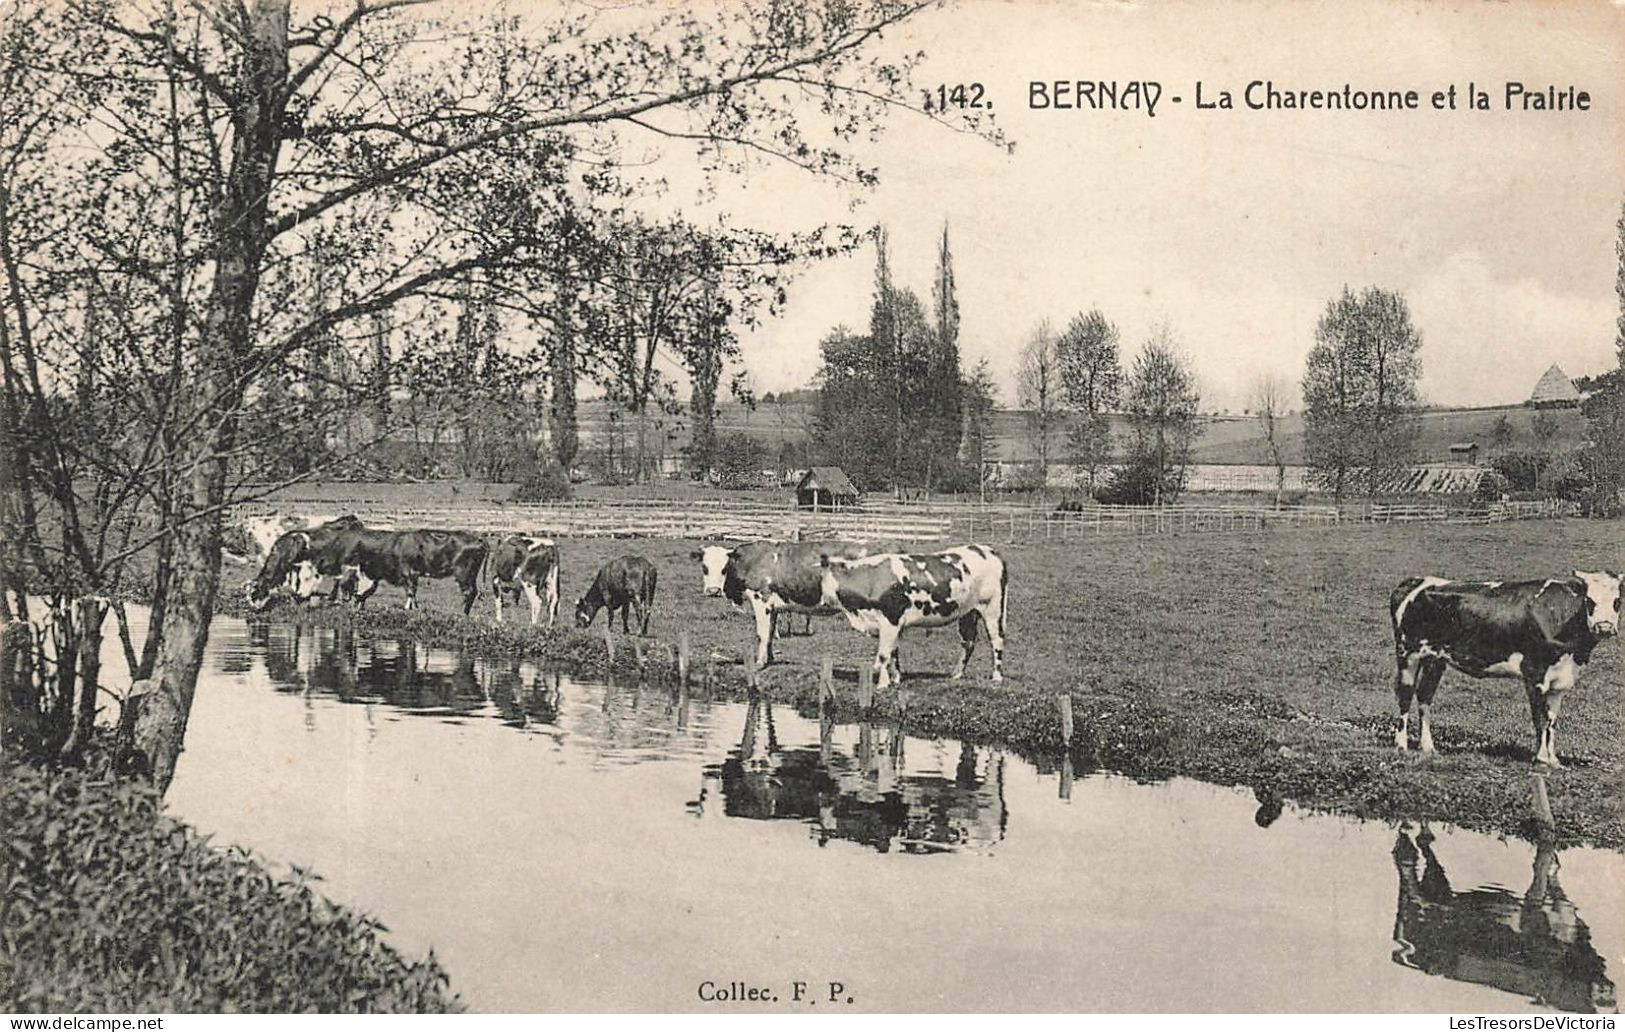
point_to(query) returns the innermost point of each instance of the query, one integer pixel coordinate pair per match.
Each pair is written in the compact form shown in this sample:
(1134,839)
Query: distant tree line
(893,403)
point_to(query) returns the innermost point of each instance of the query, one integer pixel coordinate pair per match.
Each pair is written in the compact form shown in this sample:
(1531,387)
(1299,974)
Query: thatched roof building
(825,487)
(1555,390)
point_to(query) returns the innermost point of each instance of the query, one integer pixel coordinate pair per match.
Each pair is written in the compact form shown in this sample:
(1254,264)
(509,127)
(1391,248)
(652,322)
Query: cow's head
(585,611)
(713,560)
(286,555)
(1601,600)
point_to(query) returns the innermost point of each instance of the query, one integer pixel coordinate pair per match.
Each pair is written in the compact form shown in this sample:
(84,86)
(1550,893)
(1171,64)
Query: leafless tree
(1267,398)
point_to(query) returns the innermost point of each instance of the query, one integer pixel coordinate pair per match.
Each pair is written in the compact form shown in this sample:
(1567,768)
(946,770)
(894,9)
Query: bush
(113,907)
(1492,485)
(545,482)
(1520,469)
(1136,483)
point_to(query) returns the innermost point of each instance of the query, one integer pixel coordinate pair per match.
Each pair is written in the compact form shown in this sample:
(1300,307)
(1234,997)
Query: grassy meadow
(1261,659)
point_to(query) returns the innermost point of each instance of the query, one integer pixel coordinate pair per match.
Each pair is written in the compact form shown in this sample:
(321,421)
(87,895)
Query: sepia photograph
(811,507)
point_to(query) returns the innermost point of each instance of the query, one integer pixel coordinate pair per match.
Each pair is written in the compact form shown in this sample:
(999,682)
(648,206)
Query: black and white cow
(885,594)
(528,564)
(772,577)
(626,584)
(361,558)
(1541,631)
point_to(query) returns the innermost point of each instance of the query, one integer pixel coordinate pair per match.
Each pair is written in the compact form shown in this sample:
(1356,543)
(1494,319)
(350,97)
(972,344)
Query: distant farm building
(1465,451)
(1555,390)
(825,487)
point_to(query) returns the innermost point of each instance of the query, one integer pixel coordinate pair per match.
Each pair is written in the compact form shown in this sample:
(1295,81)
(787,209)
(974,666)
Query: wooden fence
(728,519)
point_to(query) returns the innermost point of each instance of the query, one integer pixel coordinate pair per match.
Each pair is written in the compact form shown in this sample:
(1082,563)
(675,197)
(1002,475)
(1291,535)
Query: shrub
(1136,483)
(113,907)
(544,482)
(1491,486)
(1521,469)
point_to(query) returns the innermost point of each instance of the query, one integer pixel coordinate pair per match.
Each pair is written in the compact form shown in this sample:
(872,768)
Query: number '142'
(960,95)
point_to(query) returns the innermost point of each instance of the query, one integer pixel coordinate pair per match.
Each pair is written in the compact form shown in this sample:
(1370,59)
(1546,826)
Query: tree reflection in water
(1534,945)
(865,794)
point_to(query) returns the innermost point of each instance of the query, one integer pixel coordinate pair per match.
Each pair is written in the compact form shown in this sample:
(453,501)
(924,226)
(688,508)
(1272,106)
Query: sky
(1236,227)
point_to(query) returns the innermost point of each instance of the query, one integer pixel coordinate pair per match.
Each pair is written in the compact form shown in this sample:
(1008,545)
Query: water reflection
(1534,944)
(862,792)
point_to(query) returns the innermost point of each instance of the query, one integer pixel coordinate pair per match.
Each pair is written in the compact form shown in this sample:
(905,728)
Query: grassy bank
(1255,659)
(111,907)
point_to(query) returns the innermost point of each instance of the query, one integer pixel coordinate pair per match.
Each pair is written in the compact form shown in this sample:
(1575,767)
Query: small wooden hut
(1464,451)
(825,487)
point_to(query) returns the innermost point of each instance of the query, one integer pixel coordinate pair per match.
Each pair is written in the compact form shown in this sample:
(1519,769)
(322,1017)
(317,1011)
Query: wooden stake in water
(1066,776)
(866,687)
(682,657)
(1064,703)
(826,681)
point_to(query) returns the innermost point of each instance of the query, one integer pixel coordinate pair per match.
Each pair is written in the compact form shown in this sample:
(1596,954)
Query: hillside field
(1225,439)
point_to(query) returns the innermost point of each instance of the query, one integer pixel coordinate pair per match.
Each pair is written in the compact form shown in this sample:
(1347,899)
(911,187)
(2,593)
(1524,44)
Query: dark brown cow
(624,584)
(361,558)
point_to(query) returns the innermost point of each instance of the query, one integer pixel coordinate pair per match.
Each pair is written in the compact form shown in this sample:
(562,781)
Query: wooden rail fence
(728,520)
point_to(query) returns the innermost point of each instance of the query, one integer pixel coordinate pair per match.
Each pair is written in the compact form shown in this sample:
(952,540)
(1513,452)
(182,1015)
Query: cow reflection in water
(1535,945)
(402,673)
(865,795)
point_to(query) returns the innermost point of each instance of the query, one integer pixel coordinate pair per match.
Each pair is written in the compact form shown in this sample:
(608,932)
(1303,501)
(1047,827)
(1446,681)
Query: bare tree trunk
(240,230)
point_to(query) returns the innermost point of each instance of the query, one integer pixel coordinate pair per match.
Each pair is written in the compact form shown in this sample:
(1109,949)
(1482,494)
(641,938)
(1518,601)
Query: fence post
(1066,776)
(682,657)
(866,687)
(826,681)
(1063,702)
(609,643)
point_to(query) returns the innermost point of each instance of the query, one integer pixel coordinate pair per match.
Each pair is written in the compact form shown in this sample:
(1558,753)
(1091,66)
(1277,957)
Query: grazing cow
(626,584)
(773,577)
(1542,631)
(289,567)
(362,558)
(529,564)
(885,594)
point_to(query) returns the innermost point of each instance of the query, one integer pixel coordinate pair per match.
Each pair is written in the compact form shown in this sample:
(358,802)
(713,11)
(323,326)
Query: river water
(564,845)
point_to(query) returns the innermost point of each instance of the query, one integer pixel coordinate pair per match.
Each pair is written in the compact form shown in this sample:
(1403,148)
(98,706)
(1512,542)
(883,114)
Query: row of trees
(1070,384)
(225,228)
(894,408)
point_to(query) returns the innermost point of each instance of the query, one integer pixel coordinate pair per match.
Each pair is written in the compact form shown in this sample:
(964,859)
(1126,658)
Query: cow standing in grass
(772,578)
(521,563)
(360,559)
(1541,631)
(885,594)
(626,584)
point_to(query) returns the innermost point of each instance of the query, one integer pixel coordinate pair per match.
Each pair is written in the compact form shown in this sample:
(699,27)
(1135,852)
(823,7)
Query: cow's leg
(471,591)
(1404,691)
(496,597)
(993,617)
(411,592)
(645,610)
(533,597)
(886,656)
(1426,685)
(968,626)
(552,593)
(764,629)
(626,616)
(1559,679)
